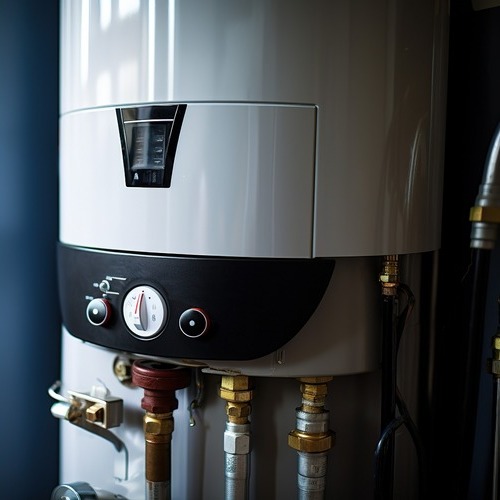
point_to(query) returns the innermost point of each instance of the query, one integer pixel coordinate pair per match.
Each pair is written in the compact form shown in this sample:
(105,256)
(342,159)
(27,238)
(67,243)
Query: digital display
(149,138)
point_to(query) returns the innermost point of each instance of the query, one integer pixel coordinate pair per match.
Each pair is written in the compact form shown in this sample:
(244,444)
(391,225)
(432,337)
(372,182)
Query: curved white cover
(375,70)
(242,184)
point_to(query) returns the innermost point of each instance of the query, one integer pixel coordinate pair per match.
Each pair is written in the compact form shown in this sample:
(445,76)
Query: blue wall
(29,325)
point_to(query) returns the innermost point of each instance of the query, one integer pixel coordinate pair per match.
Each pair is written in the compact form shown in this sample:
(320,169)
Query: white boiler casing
(365,79)
(309,132)
(231,176)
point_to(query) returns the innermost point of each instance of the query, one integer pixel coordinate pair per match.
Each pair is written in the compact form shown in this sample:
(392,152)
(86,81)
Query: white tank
(231,175)
(316,127)
(293,131)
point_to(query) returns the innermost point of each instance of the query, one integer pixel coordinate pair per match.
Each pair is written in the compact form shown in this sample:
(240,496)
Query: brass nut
(235,383)
(122,368)
(95,413)
(311,443)
(238,409)
(154,425)
(389,278)
(314,389)
(236,396)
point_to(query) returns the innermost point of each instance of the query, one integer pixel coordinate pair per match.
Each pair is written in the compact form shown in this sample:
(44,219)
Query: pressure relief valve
(159,381)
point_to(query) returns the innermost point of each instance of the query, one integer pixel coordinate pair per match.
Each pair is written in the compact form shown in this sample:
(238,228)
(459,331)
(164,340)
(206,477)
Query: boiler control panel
(188,307)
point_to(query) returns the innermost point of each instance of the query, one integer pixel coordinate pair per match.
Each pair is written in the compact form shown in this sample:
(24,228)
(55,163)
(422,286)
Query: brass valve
(237,391)
(159,381)
(389,276)
(312,434)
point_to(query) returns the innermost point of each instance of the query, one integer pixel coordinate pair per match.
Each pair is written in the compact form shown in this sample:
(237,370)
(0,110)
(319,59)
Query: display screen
(149,138)
(147,152)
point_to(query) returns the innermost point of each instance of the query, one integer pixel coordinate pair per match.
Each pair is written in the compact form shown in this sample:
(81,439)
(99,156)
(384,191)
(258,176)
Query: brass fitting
(314,392)
(237,391)
(389,276)
(95,413)
(312,434)
(122,368)
(485,214)
(311,443)
(158,424)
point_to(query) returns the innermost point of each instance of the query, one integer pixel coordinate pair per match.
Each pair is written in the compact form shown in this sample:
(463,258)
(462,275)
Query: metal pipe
(485,215)
(159,381)
(312,438)
(238,393)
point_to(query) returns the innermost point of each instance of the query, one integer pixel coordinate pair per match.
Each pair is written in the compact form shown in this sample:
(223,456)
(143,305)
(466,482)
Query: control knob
(99,311)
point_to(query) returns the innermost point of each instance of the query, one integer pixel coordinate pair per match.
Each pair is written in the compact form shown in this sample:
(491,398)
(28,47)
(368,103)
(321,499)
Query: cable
(384,453)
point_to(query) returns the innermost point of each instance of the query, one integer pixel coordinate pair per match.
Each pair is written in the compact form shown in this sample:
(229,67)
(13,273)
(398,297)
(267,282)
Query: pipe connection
(312,438)
(159,381)
(237,391)
(389,276)
(485,214)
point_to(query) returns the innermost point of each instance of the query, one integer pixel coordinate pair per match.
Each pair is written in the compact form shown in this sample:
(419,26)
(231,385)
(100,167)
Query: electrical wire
(383,458)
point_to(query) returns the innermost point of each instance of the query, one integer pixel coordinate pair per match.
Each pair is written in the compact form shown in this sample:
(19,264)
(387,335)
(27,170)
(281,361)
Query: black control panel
(188,307)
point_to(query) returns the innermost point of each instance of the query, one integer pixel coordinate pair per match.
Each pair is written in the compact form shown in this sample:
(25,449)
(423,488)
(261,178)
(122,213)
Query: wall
(473,115)
(29,331)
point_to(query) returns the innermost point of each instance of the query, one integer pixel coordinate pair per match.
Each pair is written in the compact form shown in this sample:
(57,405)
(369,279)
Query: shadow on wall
(30,325)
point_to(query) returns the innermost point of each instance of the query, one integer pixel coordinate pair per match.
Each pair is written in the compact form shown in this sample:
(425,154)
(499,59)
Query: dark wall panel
(29,326)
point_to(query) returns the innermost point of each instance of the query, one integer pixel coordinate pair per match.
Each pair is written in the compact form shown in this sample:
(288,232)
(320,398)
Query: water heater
(231,174)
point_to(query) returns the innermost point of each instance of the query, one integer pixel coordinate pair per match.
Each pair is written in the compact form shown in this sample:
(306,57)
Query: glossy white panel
(375,70)
(242,184)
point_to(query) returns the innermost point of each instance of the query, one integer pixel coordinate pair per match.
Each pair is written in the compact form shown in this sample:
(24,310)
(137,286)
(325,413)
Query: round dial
(145,312)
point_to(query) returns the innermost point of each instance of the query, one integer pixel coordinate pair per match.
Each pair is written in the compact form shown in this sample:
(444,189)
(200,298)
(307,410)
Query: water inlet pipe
(237,391)
(312,439)
(159,381)
(485,218)
(485,214)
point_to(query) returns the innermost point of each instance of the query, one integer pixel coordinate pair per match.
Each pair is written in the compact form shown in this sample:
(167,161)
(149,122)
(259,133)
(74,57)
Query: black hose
(473,365)
(494,454)
(393,327)
(385,475)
